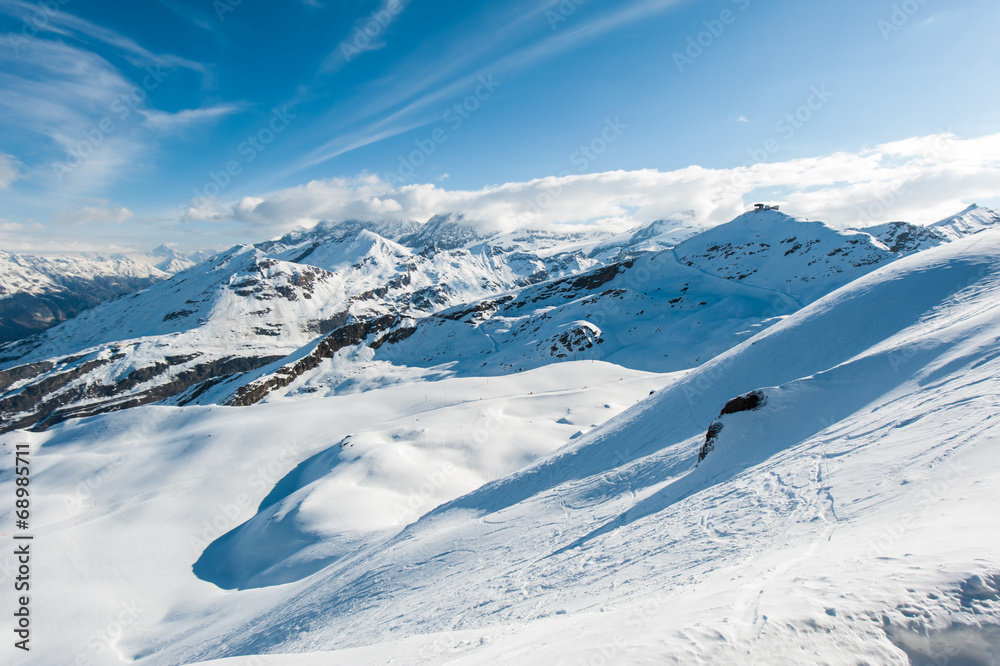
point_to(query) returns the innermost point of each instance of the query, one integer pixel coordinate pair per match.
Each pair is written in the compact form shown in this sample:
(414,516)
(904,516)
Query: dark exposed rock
(393,337)
(710,437)
(22,372)
(324,326)
(180,314)
(571,287)
(312,248)
(490,305)
(577,339)
(33,394)
(41,405)
(267,332)
(345,336)
(744,403)
(600,277)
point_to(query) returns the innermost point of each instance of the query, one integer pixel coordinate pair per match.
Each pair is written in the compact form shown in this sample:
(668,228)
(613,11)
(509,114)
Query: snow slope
(482,306)
(904,237)
(972,220)
(127,503)
(849,519)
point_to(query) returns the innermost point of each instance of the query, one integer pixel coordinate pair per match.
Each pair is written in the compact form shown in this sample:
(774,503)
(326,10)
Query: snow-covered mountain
(170,260)
(904,237)
(38,292)
(814,482)
(972,220)
(257,319)
(661,311)
(246,308)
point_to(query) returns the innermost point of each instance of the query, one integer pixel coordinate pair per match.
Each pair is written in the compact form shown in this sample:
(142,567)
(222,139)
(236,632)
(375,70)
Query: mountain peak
(768,248)
(770,215)
(970,221)
(443,232)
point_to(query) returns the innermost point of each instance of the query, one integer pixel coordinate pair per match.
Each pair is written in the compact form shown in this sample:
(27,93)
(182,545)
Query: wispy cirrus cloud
(68,25)
(58,94)
(89,124)
(448,70)
(368,34)
(163,121)
(920,179)
(197,19)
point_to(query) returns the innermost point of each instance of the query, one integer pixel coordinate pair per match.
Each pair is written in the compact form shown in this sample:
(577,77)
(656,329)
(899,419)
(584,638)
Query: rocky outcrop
(745,403)
(350,334)
(57,397)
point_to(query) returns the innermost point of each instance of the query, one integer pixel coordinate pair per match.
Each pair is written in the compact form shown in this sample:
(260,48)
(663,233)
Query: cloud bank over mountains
(920,179)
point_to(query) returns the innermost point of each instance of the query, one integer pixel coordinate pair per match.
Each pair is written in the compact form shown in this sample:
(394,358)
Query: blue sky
(201,123)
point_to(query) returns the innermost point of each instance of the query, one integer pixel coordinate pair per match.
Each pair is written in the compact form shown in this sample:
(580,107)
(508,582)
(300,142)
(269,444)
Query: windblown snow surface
(559,515)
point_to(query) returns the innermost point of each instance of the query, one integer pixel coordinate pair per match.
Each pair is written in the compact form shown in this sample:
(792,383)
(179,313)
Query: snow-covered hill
(972,220)
(904,237)
(561,514)
(250,306)
(662,311)
(288,316)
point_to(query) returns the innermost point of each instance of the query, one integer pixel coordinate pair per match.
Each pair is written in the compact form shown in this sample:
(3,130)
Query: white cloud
(163,121)
(10,170)
(21,236)
(207,210)
(445,73)
(368,34)
(63,23)
(6,226)
(104,214)
(919,179)
(62,96)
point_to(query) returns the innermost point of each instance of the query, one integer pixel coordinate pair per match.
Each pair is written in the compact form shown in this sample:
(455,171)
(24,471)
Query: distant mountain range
(38,292)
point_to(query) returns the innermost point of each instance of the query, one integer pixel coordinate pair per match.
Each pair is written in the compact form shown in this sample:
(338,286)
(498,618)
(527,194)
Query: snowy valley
(772,441)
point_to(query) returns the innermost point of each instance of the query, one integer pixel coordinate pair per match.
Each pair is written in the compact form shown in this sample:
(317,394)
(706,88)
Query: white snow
(407,505)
